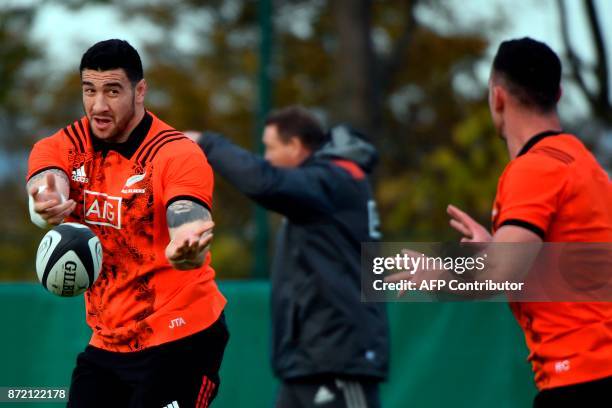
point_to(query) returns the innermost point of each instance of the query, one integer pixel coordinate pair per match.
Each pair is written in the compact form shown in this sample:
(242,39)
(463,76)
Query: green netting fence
(443,354)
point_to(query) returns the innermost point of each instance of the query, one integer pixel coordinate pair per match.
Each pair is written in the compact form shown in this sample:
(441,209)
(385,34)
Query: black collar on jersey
(536,138)
(129,147)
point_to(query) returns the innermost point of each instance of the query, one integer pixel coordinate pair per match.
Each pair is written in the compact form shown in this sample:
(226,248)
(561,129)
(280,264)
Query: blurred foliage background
(385,67)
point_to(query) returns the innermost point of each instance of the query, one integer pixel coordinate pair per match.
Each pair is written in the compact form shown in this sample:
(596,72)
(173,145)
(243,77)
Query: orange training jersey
(122,192)
(556,188)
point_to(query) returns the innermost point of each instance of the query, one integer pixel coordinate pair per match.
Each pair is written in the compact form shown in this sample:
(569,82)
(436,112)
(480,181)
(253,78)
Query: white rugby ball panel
(68,276)
(72,241)
(45,249)
(69,259)
(95,249)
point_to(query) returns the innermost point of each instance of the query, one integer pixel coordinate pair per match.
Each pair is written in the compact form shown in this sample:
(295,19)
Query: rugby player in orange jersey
(146,191)
(553,190)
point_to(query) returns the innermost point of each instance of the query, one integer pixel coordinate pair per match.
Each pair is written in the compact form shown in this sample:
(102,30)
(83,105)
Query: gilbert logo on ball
(69,259)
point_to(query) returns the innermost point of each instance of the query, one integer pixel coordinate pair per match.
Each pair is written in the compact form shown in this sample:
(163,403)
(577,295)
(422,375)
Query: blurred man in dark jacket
(329,349)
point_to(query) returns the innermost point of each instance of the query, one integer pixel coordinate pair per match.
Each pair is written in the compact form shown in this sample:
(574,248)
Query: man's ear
(559,93)
(295,143)
(298,150)
(499,98)
(140,91)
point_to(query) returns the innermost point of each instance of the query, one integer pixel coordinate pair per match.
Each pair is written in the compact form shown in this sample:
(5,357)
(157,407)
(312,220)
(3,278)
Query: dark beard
(121,126)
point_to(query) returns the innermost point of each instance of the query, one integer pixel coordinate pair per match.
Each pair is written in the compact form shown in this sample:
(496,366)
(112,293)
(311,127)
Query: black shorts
(329,392)
(592,394)
(180,374)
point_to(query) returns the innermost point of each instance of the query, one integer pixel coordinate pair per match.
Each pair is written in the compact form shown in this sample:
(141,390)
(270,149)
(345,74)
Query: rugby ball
(69,259)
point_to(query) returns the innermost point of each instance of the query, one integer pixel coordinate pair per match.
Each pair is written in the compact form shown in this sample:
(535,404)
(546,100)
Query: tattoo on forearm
(59,173)
(183,211)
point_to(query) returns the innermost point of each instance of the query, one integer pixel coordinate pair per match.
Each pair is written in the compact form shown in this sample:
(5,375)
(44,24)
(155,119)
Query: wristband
(36,218)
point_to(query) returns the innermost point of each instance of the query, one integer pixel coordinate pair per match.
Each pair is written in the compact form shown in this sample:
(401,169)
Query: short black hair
(113,54)
(296,121)
(531,71)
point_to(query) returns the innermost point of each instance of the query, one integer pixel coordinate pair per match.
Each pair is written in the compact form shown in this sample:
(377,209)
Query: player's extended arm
(47,193)
(190,226)
(296,191)
(509,260)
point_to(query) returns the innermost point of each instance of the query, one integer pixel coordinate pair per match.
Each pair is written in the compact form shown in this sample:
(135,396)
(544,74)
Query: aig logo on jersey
(102,209)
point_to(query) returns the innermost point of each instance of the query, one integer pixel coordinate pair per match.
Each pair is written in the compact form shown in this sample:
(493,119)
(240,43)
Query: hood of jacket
(348,144)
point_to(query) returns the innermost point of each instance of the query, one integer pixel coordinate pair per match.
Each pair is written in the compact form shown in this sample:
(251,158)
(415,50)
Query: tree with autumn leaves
(373,64)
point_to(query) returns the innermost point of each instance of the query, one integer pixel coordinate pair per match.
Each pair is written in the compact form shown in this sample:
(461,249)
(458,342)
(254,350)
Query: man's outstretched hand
(48,200)
(189,246)
(472,231)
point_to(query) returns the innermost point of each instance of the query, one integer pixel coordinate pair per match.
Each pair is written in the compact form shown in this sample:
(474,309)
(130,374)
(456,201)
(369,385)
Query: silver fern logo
(137,178)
